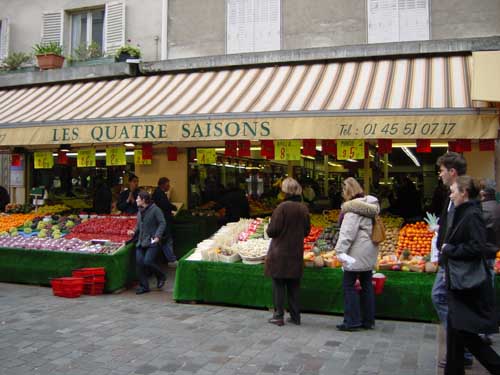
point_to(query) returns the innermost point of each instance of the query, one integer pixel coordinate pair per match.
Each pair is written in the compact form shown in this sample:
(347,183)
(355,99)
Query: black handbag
(466,274)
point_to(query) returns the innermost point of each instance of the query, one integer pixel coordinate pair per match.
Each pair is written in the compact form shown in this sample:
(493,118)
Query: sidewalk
(149,334)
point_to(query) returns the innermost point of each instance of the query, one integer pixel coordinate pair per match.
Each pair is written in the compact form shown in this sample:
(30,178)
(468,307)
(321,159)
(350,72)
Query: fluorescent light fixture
(334,164)
(412,157)
(307,157)
(218,149)
(351,160)
(414,144)
(128,153)
(129,144)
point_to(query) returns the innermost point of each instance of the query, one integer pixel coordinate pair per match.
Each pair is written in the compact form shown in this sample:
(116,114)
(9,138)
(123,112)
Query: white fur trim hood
(367,206)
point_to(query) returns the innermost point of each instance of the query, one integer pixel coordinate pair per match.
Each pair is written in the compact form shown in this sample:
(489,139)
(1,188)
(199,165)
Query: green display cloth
(39,266)
(406,295)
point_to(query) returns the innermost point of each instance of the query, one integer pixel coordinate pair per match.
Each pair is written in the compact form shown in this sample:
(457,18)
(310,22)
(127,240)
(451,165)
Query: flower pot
(50,61)
(123,57)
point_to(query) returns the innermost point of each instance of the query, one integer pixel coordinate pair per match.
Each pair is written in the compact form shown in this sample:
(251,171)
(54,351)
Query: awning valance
(354,99)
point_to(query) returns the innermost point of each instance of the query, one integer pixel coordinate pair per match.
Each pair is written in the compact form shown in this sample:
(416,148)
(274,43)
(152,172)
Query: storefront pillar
(366,177)
(386,169)
(326,169)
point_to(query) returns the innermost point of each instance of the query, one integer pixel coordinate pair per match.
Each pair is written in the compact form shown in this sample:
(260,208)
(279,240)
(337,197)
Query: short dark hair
(163,180)
(145,196)
(131,177)
(453,160)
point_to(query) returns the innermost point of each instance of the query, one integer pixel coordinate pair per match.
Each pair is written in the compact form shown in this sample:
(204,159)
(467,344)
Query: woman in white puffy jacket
(356,219)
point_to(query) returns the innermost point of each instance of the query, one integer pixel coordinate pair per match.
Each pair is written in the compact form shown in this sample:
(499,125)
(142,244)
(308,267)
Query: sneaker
(161,282)
(173,264)
(293,321)
(278,321)
(141,291)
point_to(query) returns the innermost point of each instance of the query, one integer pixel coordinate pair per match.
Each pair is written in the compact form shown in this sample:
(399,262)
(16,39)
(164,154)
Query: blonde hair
(351,188)
(291,187)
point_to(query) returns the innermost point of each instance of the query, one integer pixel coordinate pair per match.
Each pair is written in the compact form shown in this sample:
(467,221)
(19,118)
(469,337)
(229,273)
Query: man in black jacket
(161,200)
(127,200)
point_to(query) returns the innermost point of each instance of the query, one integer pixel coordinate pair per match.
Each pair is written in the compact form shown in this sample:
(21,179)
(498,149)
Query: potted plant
(49,55)
(16,60)
(127,52)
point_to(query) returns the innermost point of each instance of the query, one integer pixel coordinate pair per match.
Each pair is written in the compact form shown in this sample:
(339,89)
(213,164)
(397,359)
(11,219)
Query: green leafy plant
(84,52)
(15,60)
(48,48)
(131,50)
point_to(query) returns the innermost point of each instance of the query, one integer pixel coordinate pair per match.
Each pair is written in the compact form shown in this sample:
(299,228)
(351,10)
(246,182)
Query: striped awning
(388,98)
(402,84)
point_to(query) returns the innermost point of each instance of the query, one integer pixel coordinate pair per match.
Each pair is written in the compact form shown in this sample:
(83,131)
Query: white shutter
(267,25)
(52,27)
(383,21)
(239,29)
(114,26)
(4,38)
(413,20)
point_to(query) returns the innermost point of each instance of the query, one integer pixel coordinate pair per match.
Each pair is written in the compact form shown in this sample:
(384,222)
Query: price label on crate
(206,156)
(350,149)
(115,156)
(138,160)
(85,158)
(287,150)
(43,160)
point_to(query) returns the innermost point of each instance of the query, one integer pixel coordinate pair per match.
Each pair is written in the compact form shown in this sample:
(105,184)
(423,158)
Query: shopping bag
(378,232)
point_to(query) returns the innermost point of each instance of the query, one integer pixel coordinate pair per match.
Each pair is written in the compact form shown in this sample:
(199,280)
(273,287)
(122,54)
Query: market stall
(213,273)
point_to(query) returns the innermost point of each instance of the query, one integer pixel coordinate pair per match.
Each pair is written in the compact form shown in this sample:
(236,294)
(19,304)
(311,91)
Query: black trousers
(292,288)
(457,340)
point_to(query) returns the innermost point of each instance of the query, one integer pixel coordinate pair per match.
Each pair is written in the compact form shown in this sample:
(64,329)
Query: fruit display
(53,226)
(261,207)
(319,220)
(15,208)
(392,222)
(416,239)
(312,237)
(61,244)
(51,209)
(7,222)
(332,215)
(256,229)
(110,228)
(390,245)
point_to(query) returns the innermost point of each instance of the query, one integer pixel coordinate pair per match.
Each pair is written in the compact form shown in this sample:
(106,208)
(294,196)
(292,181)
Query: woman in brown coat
(289,225)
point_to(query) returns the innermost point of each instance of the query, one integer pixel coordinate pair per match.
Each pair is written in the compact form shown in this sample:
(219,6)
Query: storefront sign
(206,156)
(350,149)
(116,156)
(43,160)
(85,158)
(287,150)
(443,127)
(138,160)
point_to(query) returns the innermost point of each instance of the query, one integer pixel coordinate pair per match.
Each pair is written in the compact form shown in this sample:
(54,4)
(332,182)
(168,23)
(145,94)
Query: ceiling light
(334,164)
(65,148)
(412,157)
(129,144)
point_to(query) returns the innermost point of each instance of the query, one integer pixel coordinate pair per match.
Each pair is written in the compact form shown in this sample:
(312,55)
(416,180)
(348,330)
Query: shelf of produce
(38,266)
(188,231)
(406,295)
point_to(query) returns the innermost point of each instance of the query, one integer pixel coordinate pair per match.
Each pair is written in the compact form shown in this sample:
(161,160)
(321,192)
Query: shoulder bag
(378,232)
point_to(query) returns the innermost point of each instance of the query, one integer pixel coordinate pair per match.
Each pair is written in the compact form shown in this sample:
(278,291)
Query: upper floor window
(253,25)
(87,31)
(397,20)
(4,38)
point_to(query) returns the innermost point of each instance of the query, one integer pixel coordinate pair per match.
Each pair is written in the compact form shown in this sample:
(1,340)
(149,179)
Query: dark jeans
(356,313)
(145,259)
(457,341)
(292,287)
(168,249)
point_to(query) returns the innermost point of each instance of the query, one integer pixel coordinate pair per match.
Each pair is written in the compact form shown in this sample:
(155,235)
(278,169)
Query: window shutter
(413,20)
(52,27)
(114,24)
(4,38)
(383,21)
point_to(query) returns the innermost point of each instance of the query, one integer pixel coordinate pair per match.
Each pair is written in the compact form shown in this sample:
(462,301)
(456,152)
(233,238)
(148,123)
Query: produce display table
(188,231)
(38,266)
(406,295)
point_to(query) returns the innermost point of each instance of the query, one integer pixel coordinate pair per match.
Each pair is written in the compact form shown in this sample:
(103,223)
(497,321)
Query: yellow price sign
(138,160)
(350,149)
(287,150)
(206,156)
(116,156)
(44,160)
(85,158)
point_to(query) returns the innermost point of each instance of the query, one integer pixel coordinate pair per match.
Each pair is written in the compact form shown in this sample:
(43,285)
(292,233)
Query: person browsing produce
(127,200)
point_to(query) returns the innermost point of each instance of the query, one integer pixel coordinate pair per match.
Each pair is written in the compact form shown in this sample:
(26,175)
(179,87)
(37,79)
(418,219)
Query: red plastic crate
(69,287)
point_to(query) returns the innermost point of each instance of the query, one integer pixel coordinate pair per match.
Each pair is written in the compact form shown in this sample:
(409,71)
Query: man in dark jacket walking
(161,200)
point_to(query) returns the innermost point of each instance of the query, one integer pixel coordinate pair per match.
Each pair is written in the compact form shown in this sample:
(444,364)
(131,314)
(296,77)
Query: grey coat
(356,231)
(150,223)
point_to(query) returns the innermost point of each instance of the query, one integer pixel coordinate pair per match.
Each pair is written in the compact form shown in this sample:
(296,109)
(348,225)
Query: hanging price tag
(44,160)
(350,149)
(206,156)
(287,150)
(85,158)
(138,160)
(115,156)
